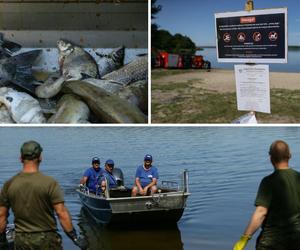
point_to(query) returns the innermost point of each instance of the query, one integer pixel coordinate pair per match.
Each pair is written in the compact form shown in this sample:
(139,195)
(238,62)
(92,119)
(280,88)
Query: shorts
(37,241)
(278,240)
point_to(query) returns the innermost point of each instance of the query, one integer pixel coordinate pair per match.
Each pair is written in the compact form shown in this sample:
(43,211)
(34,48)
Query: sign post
(250,37)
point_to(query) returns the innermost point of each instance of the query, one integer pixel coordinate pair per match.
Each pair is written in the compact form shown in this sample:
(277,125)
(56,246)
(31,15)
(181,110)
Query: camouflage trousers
(38,241)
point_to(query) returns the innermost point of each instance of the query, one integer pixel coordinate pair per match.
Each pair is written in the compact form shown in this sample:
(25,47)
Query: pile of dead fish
(81,92)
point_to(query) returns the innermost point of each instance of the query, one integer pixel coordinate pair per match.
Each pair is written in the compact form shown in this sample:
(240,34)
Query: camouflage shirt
(31,197)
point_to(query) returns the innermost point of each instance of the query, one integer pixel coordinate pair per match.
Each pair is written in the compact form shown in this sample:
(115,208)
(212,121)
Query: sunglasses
(110,165)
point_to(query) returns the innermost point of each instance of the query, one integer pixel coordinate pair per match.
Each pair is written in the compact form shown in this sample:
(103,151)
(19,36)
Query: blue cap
(110,162)
(95,160)
(148,158)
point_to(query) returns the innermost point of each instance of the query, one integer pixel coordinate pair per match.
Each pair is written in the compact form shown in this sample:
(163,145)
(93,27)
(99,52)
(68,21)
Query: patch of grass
(195,105)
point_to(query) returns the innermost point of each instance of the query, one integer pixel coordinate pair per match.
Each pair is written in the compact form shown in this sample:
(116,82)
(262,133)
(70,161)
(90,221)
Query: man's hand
(78,241)
(241,244)
(141,191)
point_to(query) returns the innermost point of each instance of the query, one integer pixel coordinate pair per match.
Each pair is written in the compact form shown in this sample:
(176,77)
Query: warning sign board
(258,36)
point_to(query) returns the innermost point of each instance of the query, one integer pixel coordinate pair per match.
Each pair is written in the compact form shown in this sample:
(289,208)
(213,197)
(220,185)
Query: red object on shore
(166,60)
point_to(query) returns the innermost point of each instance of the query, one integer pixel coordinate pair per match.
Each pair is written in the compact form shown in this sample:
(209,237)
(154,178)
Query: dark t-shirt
(31,197)
(280,193)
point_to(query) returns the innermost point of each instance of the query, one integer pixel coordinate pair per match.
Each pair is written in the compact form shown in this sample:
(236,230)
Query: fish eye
(10,99)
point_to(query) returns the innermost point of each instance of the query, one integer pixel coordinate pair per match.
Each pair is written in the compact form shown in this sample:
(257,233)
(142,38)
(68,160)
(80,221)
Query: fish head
(65,47)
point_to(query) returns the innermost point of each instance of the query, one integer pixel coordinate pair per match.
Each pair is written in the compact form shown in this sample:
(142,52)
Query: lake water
(293,64)
(225,164)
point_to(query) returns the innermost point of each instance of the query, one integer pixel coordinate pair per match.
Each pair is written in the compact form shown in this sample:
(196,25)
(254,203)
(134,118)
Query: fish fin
(26,58)
(28,87)
(10,47)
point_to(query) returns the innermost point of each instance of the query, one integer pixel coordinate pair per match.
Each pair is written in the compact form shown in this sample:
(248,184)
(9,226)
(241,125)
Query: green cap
(31,150)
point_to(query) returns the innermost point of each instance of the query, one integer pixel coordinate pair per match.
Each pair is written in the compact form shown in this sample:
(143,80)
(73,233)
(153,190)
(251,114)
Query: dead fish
(23,108)
(112,61)
(5,115)
(134,71)
(108,107)
(18,70)
(111,87)
(70,109)
(137,94)
(7,48)
(75,64)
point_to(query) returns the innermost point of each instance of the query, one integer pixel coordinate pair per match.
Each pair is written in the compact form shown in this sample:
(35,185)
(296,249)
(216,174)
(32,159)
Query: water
(226,165)
(293,64)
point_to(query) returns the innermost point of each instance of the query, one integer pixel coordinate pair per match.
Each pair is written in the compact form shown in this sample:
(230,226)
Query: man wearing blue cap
(107,176)
(145,178)
(92,175)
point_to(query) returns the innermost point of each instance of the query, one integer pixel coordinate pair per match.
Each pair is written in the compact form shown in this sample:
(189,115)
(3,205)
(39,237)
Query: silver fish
(112,61)
(134,71)
(70,109)
(23,108)
(108,107)
(75,64)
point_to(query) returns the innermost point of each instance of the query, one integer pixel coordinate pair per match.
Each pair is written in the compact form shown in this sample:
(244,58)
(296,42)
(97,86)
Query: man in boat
(108,176)
(145,178)
(33,198)
(277,205)
(92,175)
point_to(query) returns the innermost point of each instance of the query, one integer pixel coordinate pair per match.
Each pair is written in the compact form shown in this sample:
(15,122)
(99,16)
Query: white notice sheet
(253,87)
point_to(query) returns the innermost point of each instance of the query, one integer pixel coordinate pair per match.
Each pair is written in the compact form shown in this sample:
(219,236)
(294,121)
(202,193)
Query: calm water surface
(293,64)
(226,165)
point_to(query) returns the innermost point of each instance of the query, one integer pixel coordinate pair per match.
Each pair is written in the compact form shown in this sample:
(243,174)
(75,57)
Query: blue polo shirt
(93,178)
(112,182)
(146,176)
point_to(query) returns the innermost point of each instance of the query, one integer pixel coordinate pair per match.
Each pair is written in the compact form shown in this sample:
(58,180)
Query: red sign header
(251,19)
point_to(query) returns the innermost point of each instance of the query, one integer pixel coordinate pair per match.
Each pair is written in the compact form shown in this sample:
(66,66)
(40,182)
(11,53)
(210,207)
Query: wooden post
(249,5)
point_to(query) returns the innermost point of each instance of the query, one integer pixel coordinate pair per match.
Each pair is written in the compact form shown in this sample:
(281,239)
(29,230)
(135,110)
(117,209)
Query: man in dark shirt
(277,206)
(33,198)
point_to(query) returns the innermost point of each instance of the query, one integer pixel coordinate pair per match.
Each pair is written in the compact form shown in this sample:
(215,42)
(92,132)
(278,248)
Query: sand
(223,81)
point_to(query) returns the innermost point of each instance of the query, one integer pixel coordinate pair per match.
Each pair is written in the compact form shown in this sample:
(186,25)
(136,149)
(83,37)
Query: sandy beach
(223,81)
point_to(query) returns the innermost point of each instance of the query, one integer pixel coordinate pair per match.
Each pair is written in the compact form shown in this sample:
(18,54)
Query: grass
(182,103)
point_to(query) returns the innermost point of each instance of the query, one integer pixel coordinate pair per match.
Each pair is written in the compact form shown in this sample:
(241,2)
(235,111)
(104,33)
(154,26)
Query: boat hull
(164,208)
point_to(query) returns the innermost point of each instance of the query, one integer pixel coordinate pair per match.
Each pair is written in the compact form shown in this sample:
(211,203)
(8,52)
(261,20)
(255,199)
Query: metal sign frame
(252,14)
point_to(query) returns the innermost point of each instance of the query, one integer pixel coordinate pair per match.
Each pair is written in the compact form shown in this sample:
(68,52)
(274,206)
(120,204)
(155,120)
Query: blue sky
(195,18)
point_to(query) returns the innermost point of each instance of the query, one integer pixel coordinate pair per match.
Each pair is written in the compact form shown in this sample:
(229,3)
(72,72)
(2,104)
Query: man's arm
(66,223)
(138,184)
(256,221)
(83,180)
(63,216)
(152,183)
(3,218)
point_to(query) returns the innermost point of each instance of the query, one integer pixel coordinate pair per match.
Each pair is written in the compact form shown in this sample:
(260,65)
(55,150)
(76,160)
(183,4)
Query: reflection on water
(102,238)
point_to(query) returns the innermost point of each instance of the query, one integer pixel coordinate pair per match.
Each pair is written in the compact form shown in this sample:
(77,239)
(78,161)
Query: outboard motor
(118,174)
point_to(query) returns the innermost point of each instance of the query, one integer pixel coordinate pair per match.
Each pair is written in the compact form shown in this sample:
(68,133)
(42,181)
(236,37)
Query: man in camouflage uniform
(33,198)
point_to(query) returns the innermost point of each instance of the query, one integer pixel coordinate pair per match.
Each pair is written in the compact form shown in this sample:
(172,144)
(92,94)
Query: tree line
(163,40)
